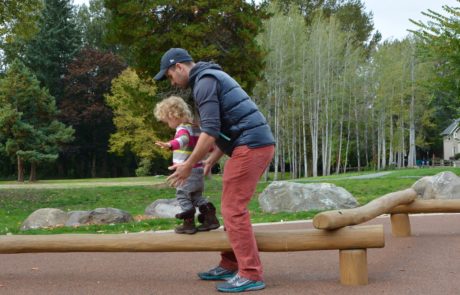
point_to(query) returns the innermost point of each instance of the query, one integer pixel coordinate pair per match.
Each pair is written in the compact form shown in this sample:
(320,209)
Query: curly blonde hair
(172,107)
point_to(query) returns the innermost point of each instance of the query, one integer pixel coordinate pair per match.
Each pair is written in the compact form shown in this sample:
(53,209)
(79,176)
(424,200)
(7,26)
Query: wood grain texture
(353,237)
(339,218)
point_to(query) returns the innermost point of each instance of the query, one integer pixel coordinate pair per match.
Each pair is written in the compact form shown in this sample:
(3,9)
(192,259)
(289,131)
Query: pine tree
(29,131)
(55,45)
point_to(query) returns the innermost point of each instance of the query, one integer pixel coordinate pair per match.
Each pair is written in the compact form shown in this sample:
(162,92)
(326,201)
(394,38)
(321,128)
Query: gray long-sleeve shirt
(207,102)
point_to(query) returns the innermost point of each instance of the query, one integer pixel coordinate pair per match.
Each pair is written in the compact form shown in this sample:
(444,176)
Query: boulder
(163,208)
(108,216)
(45,217)
(444,185)
(77,218)
(51,217)
(284,196)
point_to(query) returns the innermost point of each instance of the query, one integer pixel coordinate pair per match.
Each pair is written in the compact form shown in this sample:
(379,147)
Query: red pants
(241,174)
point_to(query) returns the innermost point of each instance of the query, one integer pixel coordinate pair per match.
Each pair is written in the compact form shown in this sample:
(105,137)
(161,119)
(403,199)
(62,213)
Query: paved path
(90,184)
(364,176)
(372,175)
(426,263)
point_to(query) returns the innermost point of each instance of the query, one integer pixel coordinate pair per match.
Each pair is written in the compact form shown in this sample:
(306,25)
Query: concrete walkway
(426,263)
(364,176)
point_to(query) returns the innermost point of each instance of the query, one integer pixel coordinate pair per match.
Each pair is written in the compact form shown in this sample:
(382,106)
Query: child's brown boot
(208,218)
(188,226)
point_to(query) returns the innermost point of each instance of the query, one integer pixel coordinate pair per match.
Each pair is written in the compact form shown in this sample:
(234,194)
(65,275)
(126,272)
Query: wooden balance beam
(400,223)
(398,205)
(339,218)
(352,243)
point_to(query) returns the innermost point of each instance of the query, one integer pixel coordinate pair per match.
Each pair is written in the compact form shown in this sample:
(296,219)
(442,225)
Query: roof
(451,128)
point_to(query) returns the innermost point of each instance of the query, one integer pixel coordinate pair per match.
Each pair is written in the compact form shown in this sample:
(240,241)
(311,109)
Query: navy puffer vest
(241,121)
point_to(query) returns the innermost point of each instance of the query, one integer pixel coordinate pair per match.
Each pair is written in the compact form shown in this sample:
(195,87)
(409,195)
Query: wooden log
(428,206)
(339,218)
(400,225)
(353,267)
(371,236)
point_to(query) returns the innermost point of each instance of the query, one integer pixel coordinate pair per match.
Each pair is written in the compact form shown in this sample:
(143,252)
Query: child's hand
(163,145)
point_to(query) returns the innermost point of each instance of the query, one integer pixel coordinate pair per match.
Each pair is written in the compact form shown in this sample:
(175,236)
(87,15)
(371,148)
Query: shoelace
(218,270)
(233,279)
(236,278)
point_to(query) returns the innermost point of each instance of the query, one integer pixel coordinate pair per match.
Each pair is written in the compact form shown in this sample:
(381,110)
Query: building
(451,139)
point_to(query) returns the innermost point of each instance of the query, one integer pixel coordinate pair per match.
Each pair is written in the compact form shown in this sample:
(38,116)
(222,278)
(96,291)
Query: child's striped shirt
(184,142)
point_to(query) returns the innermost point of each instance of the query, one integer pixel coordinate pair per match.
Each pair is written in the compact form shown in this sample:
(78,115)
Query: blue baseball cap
(170,58)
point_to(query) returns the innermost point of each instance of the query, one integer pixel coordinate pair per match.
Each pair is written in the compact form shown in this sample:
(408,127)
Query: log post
(400,224)
(353,267)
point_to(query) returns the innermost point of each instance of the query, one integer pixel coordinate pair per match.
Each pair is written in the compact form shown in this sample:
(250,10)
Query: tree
(18,23)
(93,23)
(350,14)
(222,31)
(132,100)
(29,130)
(440,45)
(84,107)
(311,78)
(54,46)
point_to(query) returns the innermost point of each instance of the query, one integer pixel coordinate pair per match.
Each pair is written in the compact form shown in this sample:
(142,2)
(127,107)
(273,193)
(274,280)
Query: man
(230,120)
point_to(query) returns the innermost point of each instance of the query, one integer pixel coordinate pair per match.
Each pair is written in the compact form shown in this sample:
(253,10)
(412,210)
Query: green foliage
(18,23)
(145,166)
(440,44)
(133,100)
(351,15)
(312,75)
(93,23)
(222,31)
(28,126)
(49,52)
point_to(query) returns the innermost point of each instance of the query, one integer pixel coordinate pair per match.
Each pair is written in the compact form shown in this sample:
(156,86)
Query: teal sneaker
(240,284)
(217,273)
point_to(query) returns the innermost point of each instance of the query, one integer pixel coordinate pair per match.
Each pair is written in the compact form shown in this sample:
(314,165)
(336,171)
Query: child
(176,113)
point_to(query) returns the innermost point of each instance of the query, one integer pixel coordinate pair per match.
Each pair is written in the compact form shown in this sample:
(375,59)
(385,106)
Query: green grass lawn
(133,196)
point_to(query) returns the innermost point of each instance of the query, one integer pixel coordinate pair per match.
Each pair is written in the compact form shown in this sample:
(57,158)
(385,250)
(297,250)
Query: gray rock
(51,217)
(444,185)
(77,218)
(163,208)
(283,196)
(108,216)
(45,217)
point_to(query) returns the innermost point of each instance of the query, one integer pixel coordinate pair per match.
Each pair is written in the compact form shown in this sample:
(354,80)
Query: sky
(391,17)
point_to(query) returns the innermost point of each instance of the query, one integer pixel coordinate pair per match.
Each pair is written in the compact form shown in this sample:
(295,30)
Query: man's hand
(215,155)
(208,164)
(163,145)
(181,174)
